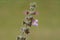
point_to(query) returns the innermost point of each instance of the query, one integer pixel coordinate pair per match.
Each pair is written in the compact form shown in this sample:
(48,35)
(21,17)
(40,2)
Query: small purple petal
(35,24)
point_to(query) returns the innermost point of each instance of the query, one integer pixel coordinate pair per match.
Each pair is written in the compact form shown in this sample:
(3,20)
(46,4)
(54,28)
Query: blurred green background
(11,16)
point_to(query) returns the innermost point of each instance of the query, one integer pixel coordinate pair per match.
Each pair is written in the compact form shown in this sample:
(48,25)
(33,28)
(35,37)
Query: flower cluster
(28,21)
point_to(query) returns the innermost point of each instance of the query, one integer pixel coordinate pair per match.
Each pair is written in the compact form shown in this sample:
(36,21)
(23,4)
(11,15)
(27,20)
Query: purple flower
(35,23)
